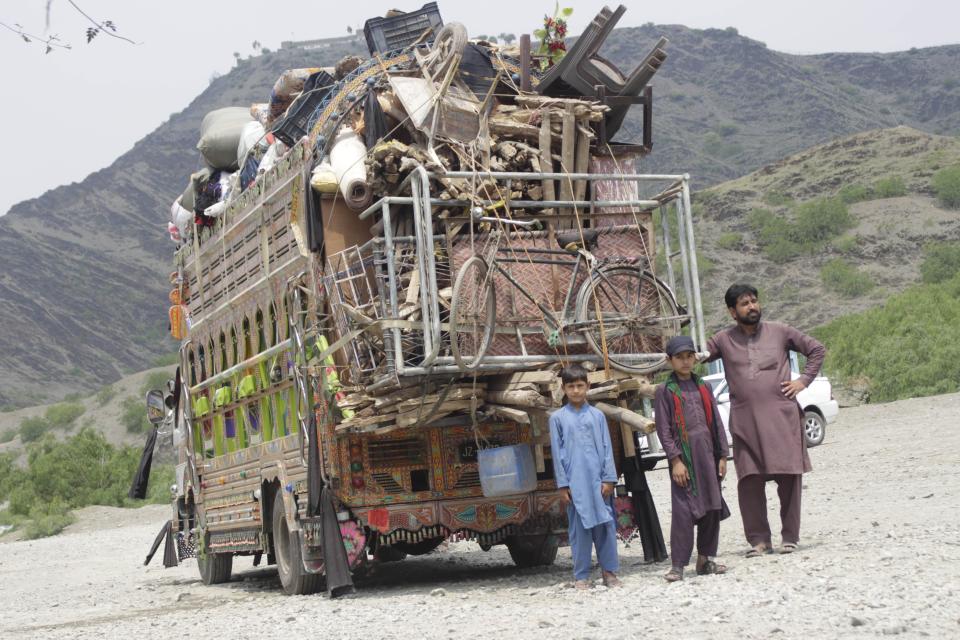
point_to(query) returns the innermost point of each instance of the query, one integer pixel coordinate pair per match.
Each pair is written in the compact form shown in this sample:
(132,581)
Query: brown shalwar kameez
(704,508)
(767,427)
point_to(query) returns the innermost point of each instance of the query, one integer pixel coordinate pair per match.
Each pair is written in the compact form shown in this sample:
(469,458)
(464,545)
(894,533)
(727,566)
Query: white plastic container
(506,471)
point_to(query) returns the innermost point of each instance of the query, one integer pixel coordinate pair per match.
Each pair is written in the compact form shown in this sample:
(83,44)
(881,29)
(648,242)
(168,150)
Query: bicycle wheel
(638,313)
(473,311)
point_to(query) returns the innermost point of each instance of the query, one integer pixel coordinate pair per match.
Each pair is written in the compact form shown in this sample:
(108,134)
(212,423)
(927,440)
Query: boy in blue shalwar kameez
(583,467)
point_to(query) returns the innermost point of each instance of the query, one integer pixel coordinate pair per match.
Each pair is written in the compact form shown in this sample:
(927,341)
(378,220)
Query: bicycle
(620,309)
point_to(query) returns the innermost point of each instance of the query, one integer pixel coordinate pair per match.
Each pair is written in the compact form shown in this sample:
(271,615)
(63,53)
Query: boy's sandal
(709,567)
(583,585)
(674,575)
(788,547)
(758,551)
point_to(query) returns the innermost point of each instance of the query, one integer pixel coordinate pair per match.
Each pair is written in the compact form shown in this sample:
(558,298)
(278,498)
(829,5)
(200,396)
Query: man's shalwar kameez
(583,461)
(767,426)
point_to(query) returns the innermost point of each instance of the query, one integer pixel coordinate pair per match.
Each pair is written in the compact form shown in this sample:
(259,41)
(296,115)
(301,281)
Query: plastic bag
(253,132)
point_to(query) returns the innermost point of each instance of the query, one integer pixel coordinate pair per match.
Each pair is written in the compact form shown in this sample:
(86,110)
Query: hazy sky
(70,113)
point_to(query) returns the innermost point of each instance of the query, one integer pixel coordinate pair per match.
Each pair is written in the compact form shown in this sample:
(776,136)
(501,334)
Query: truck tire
(296,581)
(533,551)
(215,568)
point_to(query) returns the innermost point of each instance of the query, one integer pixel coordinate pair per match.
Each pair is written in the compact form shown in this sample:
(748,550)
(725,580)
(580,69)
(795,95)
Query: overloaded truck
(375,296)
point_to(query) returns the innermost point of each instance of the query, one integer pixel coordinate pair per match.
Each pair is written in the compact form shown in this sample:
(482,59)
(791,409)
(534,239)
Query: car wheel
(814,428)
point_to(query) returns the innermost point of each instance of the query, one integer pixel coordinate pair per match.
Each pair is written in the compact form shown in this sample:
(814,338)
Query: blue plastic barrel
(506,471)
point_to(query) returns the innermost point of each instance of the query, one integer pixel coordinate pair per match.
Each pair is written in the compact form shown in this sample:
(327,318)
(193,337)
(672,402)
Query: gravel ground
(880,555)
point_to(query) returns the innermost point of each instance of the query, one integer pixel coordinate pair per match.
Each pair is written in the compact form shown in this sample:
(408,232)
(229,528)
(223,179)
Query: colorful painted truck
(355,360)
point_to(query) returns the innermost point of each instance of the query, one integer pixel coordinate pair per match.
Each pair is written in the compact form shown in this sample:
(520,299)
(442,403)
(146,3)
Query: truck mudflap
(486,520)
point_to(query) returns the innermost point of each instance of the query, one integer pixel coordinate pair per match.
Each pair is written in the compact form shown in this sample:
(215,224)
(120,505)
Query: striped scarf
(680,425)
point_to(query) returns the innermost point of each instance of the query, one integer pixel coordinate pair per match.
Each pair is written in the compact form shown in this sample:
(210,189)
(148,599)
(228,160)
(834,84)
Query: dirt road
(880,555)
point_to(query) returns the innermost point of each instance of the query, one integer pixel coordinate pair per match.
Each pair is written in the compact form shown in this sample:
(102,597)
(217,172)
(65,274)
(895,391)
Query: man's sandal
(758,551)
(709,567)
(788,547)
(674,575)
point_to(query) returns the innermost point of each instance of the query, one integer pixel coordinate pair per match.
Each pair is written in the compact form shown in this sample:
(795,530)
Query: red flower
(561,30)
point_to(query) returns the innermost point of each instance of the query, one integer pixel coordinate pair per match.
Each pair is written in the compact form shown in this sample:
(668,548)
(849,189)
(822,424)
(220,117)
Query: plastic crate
(387,34)
(506,471)
(296,123)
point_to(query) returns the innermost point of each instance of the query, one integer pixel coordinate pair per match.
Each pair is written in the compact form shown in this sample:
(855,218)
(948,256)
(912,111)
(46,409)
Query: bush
(773,234)
(8,435)
(154,380)
(776,199)
(167,360)
(31,429)
(730,241)
(854,193)
(846,244)
(106,394)
(946,184)
(892,187)
(843,278)
(907,348)
(133,415)
(941,261)
(821,219)
(48,520)
(63,415)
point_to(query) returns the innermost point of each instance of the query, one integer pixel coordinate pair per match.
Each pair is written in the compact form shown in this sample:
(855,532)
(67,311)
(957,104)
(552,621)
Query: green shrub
(8,474)
(774,234)
(8,435)
(730,241)
(854,193)
(106,394)
(776,199)
(48,520)
(154,380)
(844,278)
(63,415)
(908,347)
(941,261)
(32,428)
(946,184)
(821,219)
(167,359)
(891,187)
(846,244)
(133,415)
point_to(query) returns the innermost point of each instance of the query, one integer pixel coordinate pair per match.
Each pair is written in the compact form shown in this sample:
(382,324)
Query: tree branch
(105,27)
(50,41)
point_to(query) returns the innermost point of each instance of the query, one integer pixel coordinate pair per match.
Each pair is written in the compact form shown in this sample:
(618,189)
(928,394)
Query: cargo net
(522,328)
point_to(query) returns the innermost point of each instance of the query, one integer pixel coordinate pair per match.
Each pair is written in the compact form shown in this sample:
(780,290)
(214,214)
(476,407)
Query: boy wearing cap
(693,439)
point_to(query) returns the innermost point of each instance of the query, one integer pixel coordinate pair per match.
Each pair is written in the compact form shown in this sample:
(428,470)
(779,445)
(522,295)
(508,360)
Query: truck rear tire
(295,579)
(215,568)
(533,551)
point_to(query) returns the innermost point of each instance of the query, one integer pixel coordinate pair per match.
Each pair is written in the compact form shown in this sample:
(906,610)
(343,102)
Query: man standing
(766,421)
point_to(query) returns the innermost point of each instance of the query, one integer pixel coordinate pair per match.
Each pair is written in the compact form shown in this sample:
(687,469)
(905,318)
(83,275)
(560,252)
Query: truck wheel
(814,428)
(533,551)
(215,568)
(389,554)
(295,579)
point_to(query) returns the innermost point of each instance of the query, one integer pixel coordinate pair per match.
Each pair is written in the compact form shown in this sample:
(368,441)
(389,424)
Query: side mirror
(156,407)
(723,398)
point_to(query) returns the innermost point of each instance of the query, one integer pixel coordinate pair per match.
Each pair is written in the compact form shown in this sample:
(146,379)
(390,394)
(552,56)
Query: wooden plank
(524,398)
(509,413)
(633,419)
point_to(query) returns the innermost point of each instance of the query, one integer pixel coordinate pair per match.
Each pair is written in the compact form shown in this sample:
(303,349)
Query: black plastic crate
(387,34)
(294,125)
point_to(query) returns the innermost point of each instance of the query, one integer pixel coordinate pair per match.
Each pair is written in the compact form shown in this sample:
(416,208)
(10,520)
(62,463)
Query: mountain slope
(83,285)
(885,242)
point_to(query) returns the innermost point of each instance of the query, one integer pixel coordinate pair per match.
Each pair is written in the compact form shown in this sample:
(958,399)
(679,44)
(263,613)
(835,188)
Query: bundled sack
(323,179)
(286,88)
(180,216)
(220,134)
(252,134)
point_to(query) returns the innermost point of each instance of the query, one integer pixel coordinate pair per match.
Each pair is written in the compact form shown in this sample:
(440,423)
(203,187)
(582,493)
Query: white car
(819,407)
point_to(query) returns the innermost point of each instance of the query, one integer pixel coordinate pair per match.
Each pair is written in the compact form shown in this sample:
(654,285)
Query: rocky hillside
(83,291)
(884,242)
